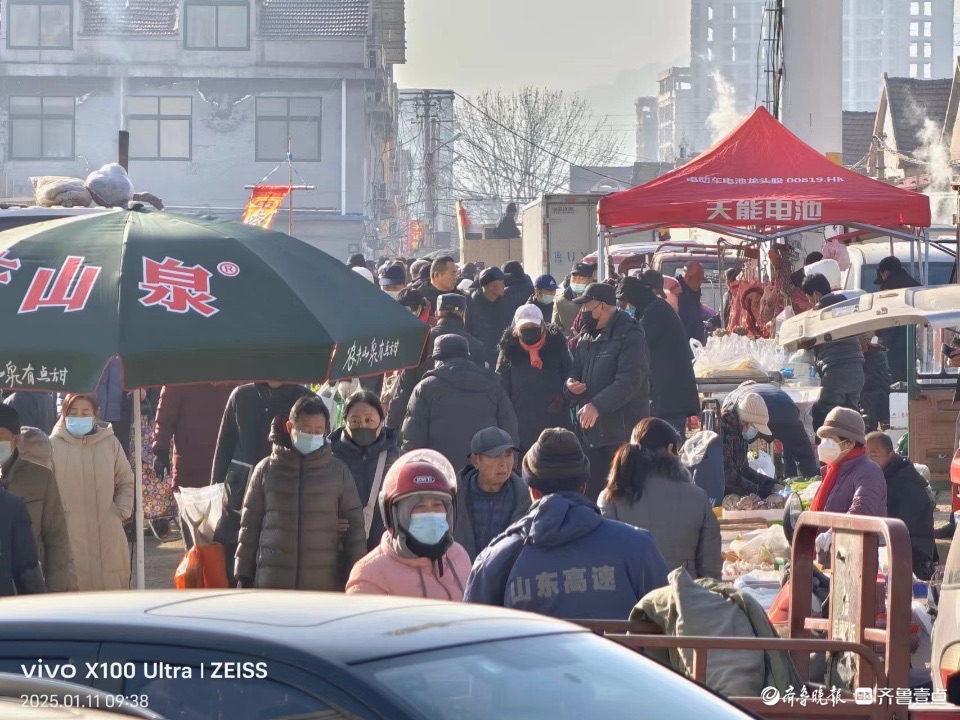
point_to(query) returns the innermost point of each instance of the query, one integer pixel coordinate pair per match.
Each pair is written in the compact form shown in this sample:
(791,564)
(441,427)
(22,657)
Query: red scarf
(534,351)
(830,478)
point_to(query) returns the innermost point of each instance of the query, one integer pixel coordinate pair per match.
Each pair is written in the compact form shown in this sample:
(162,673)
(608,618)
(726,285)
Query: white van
(865,257)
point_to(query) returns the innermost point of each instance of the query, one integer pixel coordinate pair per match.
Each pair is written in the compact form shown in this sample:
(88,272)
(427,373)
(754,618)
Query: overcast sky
(608,50)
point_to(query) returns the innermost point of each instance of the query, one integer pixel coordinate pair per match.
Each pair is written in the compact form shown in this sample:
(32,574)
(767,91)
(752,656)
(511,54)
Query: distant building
(680,124)
(857,138)
(210,91)
(417,108)
(911,115)
(726,38)
(897,37)
(648,130)
(600,179)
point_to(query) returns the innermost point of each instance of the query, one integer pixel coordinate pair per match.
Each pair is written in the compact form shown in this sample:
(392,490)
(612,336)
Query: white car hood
(937,306)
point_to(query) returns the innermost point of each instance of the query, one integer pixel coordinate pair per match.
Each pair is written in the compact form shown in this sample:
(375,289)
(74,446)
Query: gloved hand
(824,541)
(161,463)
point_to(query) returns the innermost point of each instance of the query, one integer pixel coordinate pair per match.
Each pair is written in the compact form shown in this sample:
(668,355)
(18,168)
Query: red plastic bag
(202,568)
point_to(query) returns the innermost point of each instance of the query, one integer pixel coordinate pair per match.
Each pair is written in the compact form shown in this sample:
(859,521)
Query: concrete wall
(223,143)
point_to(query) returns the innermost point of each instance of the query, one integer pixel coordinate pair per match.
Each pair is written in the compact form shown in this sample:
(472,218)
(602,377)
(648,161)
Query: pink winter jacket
(383,572)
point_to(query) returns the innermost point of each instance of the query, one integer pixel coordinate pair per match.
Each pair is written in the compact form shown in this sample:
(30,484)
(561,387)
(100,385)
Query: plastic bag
(762,547)
(110,186)
(201,510)
(55,191)
(837,251)
(736,354)
(764,464)
(202,567)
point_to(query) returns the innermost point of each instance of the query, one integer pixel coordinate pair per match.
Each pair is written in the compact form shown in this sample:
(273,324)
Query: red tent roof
(764,175)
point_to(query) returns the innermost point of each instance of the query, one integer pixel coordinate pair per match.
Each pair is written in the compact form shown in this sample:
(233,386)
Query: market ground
(161,559)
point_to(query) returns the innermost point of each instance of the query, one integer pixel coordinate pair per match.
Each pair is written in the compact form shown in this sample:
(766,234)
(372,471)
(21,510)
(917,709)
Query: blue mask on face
(79,426)
(428,528)
(751,434)
(305,443)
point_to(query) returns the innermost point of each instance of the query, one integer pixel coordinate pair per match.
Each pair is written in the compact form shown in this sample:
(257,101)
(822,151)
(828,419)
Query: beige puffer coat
(288,530)
(37,487)
(97,487)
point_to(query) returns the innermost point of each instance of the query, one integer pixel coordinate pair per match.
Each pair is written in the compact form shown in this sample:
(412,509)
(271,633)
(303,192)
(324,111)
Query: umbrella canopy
(187,300)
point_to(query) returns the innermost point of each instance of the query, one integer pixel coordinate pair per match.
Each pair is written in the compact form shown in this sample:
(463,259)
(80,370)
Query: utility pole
(429,169)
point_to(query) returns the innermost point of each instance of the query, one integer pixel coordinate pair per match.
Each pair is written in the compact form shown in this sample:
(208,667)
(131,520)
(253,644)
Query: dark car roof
(340,628)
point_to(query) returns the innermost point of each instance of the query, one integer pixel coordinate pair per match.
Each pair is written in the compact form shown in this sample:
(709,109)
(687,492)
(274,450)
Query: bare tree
(517,146)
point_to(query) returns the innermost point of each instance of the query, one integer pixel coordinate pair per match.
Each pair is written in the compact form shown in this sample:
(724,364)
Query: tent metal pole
(913,256)
(926,256)
(885,231)
(138,488)
(601,253)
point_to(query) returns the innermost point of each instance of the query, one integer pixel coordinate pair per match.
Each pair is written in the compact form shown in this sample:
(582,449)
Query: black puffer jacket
(410,377)
(672,381)
(908,500)
(837,353)
(362,464)
(453,403)
(537,395)
(490,319)
(614,364)
(20,572)
(289,537)
(519,289)
(245,428)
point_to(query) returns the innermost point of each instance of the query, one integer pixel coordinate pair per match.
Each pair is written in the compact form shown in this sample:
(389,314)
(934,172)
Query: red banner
(415,235)
(263,204)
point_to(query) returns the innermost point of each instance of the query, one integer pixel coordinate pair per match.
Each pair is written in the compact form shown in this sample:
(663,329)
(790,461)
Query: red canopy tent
(763,180)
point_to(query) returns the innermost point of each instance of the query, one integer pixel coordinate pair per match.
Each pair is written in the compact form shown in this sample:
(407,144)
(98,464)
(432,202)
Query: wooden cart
(882,655)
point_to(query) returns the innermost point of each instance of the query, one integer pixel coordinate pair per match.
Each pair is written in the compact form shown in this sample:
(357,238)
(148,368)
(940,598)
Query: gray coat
(678,514)
(453,403)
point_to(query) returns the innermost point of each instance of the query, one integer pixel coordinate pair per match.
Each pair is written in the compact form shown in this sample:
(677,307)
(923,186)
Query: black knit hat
(450,346)
(556,463)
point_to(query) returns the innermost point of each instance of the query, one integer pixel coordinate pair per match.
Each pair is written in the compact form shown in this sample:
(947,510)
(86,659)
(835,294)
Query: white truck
(560,230)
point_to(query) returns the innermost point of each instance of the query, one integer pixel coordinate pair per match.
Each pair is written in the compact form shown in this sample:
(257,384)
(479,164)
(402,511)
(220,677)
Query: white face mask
(393,293)
(829,451)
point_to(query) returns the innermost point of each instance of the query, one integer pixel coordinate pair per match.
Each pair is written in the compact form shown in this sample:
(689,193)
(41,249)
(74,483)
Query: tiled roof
(584,179)
(910,102)
(857,135)
(130,17)
(308,18)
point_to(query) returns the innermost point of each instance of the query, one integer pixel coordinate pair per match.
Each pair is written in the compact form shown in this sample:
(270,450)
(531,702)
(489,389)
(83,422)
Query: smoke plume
(935,156)
(724,116)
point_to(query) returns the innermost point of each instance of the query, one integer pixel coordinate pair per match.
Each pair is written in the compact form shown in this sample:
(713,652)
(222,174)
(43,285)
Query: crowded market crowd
(532,459)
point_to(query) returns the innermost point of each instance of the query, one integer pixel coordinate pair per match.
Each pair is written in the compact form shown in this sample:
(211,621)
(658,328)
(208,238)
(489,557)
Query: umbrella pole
(138,500)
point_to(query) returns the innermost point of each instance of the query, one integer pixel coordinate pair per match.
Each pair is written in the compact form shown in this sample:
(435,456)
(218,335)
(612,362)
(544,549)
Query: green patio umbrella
(186,300)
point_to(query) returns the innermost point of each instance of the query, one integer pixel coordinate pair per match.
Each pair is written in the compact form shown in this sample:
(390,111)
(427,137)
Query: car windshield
(557,677)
